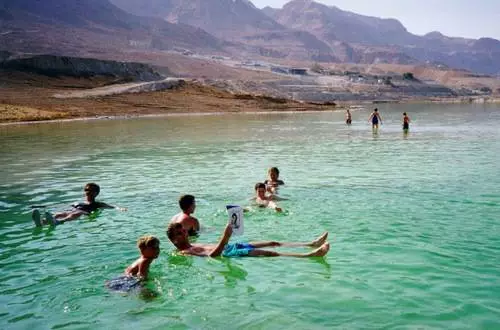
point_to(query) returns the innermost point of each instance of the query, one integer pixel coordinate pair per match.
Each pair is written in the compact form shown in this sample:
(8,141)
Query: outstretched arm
(217,251)
(108,206)
(274,206)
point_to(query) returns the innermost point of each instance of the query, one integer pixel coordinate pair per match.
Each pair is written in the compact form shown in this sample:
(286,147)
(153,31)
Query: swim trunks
(375,120)
(88,208)
(237,250)
(124,283)
(406,126)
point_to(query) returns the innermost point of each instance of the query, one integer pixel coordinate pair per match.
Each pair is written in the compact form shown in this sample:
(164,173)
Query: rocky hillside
(331,23)
(238,21)
(223,18)
(388,36)
(57,66)
(71,26)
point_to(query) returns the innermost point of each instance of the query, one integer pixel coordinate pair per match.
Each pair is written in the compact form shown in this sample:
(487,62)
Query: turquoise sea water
(413,221)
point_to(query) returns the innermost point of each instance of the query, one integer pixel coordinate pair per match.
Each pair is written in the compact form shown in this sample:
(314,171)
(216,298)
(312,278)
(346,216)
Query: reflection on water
(412,219)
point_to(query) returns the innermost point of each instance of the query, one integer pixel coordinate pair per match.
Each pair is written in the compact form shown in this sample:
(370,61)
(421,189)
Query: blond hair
(147,242)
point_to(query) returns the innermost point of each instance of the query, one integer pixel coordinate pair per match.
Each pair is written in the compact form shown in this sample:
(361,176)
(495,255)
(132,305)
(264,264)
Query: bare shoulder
(178,217)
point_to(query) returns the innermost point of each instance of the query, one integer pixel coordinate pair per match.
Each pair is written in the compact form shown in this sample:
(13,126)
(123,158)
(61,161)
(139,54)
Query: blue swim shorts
(237,250)
(123,283)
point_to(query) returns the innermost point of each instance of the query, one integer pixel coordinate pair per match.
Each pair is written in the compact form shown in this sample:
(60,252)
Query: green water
(413,221)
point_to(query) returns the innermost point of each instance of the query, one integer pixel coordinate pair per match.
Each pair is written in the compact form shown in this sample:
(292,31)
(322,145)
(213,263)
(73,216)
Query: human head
(149,246)
(404,113)
(177,234)
(273,173)
(260,190)
(376,110)
(91,190)
(187,203)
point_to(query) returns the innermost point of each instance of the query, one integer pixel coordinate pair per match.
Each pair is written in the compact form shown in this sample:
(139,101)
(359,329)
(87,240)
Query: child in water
(90,205)
(187,203)
(263,200)
(149,247)
(179,237)
(273,182)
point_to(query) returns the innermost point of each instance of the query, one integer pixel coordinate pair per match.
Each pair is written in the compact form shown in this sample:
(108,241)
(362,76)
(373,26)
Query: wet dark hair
(274,169)
(185,202)
(93,187)
(404,113)
(172,227)
(259,185)
(376,109)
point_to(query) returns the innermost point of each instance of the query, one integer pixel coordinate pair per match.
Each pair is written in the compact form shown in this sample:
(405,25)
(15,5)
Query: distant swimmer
(406,122)
(90,205)
(273,180)
(264,200)
(187,203)
(348,117)
(375,119)
(149,247)
(179,237)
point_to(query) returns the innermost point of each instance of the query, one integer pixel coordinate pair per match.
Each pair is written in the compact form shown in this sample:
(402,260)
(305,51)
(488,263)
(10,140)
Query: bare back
(191,224)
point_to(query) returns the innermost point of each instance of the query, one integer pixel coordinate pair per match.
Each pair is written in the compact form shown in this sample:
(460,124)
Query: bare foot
(321,251)
(320,240)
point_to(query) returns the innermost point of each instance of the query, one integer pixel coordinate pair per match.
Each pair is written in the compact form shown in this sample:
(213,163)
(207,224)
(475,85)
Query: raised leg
(316,243)
(68,216)
(35,215)
(319,252)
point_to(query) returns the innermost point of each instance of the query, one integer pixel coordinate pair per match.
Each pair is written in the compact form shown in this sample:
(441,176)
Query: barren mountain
(80,27)
(223,18)
(332,25)
(238,21)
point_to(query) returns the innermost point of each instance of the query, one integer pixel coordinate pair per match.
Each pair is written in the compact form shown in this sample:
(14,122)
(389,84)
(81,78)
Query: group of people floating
(375,119)
(183,227)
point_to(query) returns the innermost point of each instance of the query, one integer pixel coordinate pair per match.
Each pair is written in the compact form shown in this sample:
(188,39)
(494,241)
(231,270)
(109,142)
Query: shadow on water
(233,274)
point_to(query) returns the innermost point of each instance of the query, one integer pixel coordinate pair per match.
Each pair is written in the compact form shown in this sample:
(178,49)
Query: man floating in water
(187,203)
(78,209)
(179,237)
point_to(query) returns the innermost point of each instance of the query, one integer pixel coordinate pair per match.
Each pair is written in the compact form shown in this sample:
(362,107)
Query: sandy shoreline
(163,115)
(29,99)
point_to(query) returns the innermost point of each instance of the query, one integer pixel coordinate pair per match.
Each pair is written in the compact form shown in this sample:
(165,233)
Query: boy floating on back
(179,237)
(78,209)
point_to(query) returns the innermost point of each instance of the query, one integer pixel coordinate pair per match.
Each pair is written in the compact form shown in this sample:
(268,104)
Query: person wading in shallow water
(348,117)
(375,120)
(406,122)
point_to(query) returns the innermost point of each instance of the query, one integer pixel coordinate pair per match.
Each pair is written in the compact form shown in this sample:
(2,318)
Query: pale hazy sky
(460,18)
